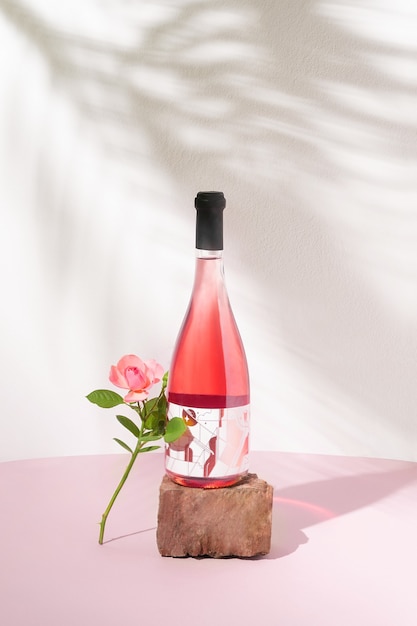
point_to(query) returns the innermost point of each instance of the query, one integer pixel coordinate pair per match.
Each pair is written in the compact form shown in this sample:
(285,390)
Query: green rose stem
(135,453)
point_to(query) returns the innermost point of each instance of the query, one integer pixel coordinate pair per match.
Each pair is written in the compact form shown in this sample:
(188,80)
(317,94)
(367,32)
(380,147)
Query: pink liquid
(209,358)
(209,369)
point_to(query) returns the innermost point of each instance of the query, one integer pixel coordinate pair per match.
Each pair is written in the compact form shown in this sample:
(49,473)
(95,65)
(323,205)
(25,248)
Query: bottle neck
(209,283)
(208,254)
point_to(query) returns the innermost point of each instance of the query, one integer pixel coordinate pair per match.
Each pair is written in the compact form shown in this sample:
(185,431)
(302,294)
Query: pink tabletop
(344,548)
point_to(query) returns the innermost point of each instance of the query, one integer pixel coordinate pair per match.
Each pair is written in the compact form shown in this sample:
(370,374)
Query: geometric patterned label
(215,444)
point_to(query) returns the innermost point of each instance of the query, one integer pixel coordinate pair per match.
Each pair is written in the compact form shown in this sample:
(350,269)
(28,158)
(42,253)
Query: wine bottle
(208,384)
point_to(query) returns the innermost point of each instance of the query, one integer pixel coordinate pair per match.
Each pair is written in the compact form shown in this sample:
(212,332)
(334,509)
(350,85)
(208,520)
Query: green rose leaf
(150,437)
(149,449)
(150,405)
(104,398)
(151,421)
(156,415)
(162,405)
(127,423)
(175,428)
(160,427)
(123,444)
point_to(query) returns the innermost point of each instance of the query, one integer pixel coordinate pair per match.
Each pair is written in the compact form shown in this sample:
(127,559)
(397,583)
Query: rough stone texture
(231,521)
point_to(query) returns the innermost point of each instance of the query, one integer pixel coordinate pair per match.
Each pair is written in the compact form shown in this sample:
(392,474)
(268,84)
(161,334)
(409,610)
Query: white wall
(114,113)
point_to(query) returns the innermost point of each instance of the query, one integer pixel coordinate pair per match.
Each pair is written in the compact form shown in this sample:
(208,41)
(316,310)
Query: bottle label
(215,444)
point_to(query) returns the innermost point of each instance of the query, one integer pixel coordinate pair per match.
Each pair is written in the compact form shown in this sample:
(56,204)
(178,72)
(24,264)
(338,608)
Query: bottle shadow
(301,506)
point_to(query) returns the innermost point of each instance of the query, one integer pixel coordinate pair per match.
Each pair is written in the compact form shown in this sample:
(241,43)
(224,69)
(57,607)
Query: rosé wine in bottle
(208,384)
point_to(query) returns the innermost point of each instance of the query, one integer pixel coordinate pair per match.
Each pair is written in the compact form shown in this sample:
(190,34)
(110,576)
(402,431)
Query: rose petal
(136,378)
(130,360)
(117,379)
(135,396)
(156,369)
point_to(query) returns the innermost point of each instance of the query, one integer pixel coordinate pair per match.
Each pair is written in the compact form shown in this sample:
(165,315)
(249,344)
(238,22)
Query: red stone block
(231,521)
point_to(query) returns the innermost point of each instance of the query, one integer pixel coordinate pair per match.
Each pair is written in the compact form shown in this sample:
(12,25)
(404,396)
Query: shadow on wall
(299,110)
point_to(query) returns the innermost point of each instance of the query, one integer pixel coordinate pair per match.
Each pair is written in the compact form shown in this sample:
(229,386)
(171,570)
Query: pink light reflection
(318,511)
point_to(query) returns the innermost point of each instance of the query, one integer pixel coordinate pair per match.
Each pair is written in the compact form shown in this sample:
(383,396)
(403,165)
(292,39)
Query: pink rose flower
(136,375)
